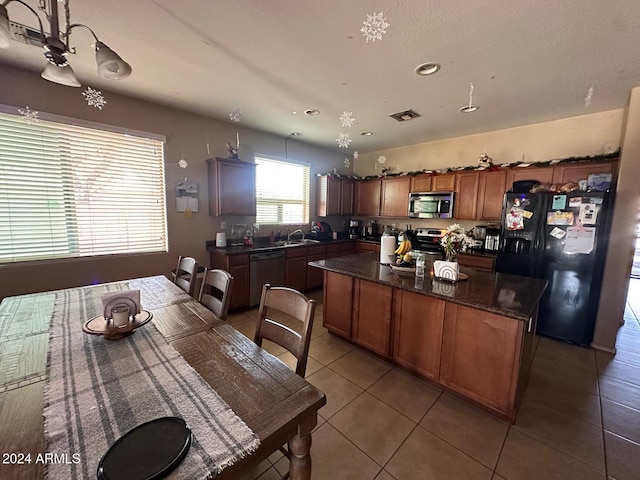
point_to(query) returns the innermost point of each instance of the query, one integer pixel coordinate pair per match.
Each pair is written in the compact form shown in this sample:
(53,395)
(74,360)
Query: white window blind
(72,191)
(282,191)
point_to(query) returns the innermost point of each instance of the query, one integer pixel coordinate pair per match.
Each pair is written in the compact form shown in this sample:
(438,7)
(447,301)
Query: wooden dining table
(276,404)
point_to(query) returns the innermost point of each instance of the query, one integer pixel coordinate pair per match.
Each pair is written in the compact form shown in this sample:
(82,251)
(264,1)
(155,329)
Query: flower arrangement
(452,241)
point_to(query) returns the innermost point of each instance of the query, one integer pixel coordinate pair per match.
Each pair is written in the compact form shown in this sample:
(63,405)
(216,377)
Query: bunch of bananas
(404,247)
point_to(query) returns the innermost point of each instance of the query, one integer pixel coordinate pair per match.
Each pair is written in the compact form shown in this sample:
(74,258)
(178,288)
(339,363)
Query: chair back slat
(277,303)
(186,274)
(215,292)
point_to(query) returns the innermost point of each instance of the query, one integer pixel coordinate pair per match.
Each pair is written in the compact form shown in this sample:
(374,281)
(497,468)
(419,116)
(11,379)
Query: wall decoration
(186,196)
(347,163)
(28,115)
(235,115)
(182,163)
(589,97)
(374,27)
(343,140)
(355,154)
(94,98)
(346,119)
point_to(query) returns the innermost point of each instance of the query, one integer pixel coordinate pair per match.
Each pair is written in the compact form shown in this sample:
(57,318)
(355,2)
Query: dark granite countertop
(512,296)
(265,247)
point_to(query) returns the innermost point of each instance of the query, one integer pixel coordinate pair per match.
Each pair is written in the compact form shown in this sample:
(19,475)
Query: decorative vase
(446,270)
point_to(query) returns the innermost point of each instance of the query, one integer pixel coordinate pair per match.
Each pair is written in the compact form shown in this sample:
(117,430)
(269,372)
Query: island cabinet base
(482,356)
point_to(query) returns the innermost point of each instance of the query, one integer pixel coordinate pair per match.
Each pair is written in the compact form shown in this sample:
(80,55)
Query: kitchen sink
(293,243)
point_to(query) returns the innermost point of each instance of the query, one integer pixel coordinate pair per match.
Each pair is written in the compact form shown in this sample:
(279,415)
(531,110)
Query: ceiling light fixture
(471,107)
(428,68)
(56,46)
(296,134)
(312,112)
(366,134)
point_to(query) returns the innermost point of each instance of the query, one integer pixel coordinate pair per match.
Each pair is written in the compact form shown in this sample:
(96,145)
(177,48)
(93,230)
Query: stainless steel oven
(431,205)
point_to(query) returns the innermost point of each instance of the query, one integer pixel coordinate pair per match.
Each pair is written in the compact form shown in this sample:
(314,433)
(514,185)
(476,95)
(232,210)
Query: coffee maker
(354,228)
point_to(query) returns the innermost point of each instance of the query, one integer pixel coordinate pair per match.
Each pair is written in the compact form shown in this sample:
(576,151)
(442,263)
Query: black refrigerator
(562,238)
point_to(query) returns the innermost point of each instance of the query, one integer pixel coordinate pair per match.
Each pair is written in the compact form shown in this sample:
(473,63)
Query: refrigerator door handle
(530,323)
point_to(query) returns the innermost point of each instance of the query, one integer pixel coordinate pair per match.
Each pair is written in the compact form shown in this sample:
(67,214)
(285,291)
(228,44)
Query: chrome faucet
(298,230)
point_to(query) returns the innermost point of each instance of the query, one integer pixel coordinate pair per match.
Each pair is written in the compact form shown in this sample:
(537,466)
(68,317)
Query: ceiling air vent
(30,36)
(404,116)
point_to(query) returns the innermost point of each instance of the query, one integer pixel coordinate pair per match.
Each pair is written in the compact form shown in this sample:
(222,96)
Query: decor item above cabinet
(232,187)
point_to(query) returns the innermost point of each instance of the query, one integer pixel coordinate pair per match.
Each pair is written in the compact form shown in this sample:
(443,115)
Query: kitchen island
(474,337)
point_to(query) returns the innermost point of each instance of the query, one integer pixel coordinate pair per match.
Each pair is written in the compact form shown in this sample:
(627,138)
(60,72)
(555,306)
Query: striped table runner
(97,390)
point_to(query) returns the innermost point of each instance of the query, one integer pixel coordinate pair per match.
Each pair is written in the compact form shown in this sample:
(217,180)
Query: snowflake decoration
(94,98)
(235,115)
(374,27)
(382,159)
(346,119)
(589,97)
(355,154)
(182,163)
(29,115)
(343,140)
(347,163)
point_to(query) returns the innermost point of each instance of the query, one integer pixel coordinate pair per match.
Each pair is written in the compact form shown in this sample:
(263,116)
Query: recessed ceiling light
(295,113)
(366,134)
(296,134)
(312,112)
(428,68)
(469,108)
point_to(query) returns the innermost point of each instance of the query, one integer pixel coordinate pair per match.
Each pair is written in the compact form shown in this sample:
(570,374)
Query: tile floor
(579,418)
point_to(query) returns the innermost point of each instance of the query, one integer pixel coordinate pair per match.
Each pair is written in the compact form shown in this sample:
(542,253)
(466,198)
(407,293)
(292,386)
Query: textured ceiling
(529,60)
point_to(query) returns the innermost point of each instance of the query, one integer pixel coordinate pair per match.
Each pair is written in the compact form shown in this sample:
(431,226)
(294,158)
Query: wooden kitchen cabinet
(540,174)
(367,247)
(337,303)
(315,275)
(372,316)
(238,267)
(417,336)
(295,270)
(480,261)
(348,248)
(334,196)
(421,183)
(334,250)
(492,188)
(395,196)
(573,172)
(443,183)
(368,197)
(232,187)
(481,355)
(466,197)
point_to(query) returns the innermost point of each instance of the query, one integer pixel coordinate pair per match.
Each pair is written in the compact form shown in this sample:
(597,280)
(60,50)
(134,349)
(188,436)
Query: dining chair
(276,302)
(186,274)
(215,291)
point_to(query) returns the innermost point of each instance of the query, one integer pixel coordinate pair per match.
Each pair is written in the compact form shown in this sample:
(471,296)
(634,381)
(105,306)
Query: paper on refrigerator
(579,240)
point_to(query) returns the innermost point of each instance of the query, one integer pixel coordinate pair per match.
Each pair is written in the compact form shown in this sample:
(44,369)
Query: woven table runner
(97,390)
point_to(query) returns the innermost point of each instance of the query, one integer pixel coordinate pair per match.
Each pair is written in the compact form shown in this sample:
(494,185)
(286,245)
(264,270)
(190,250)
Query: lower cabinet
(238,267)
(315,275)
(337,304)
(372,316)
(295,270)
(482,262)
(417,335)
(367,247)
(481,355)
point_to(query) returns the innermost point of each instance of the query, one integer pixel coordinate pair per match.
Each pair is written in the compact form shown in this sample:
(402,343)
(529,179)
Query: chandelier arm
(7,2)
(74,25)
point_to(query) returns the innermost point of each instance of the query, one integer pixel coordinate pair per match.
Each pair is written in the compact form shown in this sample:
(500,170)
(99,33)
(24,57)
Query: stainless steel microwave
(431,205)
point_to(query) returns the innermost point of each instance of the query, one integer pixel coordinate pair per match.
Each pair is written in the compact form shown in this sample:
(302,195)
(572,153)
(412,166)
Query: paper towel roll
(221,239)
(387,247)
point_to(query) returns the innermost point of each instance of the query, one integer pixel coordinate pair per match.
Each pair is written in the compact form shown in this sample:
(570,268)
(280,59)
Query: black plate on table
(149,451)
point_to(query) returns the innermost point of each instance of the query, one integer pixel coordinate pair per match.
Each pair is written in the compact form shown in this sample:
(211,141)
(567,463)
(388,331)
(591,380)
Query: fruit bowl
(398,261)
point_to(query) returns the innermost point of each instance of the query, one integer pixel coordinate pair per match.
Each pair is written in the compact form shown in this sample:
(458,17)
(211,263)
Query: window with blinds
(73,191)
(282,191)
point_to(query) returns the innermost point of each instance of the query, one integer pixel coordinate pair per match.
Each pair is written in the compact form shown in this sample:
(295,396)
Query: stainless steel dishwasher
(265,267)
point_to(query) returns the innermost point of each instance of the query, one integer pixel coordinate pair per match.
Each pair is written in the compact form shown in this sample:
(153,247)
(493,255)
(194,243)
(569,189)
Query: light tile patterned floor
(579,419)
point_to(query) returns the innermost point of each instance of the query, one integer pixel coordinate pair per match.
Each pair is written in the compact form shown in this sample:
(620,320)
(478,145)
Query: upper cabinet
(492,188)
(368,197)
(395,196)
(421,183)
(334,196)
(573,172)
(232,187)
(540,174)
(443,183)
(466,197)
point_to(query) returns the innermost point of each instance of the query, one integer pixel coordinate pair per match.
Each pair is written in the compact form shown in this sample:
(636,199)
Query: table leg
(300,457)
